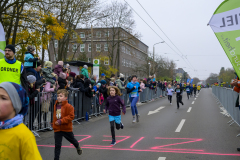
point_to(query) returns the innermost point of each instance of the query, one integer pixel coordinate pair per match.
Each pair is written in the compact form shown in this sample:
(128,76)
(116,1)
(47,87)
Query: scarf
(12,61)
(134,82)
(10,123)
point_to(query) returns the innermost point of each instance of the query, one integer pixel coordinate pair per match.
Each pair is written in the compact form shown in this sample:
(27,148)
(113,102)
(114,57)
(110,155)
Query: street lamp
(92,33)
(154,48)
(149,67)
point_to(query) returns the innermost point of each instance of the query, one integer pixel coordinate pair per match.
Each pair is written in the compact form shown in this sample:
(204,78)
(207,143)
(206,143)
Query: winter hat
(121,75)
(36,64)
(11,47)
(31,79)
(103,82)
(67,65)
(30,48)
(122,79)
(72,74)
(18,96)
(103,74)
(48,64)
(99,84)
(60,63)
(85,66)
(62,75)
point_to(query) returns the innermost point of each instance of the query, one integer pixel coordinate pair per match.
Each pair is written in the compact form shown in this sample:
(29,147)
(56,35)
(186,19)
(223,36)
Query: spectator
(119,83)
(14,71)
(112,76)
(85,71)
(36,70)
(112,82)
(62,81)
(80,83)
(142,85)
(29,59)
(89,90)
(58,68)
(103,77)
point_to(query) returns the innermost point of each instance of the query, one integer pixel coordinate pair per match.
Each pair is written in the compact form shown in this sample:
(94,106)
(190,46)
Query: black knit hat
(36,64)
(11,47)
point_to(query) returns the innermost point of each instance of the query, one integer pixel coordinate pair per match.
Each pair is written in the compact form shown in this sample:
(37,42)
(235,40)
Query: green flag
(177,78)
(2,41)
(225,23)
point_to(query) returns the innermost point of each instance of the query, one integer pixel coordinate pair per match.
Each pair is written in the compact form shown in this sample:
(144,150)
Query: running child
(63,115)
(170,93)
(191,90)
(133,88)
(188,90)
(198,88)
(195,90)
(113,104)
(179,92)
(18,142)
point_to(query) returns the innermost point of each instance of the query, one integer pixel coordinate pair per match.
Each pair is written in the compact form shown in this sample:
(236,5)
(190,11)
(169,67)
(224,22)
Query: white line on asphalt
(195,99)
(180,125)
(193,102)
(162,158)
(189,110)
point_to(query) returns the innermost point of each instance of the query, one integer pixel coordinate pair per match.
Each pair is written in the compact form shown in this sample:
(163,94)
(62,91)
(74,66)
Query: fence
(226,98)
(40,113)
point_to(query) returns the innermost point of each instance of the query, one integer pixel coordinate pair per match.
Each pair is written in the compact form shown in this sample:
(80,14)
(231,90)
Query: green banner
(225,23)
(177,78)
(2,41)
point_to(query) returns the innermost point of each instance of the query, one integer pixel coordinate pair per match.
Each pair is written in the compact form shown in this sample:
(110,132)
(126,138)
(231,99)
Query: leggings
(170,98)
(179,100)
(188,93)
(113,130)
(134,101)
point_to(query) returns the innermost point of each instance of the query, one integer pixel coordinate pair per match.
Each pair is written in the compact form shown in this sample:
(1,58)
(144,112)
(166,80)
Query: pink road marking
(136,142)
(117,141)
(177,138)
(158,147)
(88,136)
(142,150)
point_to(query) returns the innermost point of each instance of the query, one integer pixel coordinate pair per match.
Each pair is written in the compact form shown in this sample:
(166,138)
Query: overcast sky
(185,23)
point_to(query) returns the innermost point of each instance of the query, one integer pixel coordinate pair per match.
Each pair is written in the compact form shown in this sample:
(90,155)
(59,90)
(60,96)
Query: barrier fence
(226,99)
(40,114)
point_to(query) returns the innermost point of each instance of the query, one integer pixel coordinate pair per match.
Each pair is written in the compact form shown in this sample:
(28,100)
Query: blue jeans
(133,101)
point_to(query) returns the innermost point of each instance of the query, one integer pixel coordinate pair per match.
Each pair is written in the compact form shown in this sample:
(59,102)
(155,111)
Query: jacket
(67,115)
(58,69)
(104,91)
(114,105)
(79,83)
(119,84)
(62,83)
(88,92)
(85,72)
(142,86)
(29,59)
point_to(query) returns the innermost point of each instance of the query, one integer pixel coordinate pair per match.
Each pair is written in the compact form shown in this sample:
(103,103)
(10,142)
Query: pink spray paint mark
(87,137)
(136,142)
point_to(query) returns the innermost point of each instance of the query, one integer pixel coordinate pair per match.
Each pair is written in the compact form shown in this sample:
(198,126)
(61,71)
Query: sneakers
(138,117)
(238,149)
(134,120)
(171,103)
(182,103)
(113,142)
(79,150)
(121,125)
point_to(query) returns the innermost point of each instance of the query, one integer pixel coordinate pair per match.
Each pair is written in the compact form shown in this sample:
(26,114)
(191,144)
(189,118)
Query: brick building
(118,47)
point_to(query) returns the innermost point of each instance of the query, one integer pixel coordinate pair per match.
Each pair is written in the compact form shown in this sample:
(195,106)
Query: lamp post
(154,48)
(92,33)
(149,67)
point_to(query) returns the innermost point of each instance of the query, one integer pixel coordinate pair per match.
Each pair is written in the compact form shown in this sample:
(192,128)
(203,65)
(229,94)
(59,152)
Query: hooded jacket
(88,92)
(29,59)
(58,69)
(62,80)
(80,84)
(85,72)
(119,84)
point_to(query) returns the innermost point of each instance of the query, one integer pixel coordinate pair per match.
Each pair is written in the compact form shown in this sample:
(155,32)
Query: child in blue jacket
(29,59)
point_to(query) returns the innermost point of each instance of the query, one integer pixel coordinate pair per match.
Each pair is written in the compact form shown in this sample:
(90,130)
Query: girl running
(178,92)
(170,93)
(133,88)
(194,90)
(188,90)
(113,105)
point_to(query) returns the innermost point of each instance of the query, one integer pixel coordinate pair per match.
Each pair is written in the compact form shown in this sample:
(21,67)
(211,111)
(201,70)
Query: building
(118,47)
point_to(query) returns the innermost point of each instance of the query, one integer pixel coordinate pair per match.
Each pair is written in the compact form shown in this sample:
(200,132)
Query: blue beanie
(103,82)
(18,96)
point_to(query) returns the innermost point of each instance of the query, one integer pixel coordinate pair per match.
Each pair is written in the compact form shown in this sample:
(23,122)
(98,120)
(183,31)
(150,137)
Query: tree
(213,78)
(196,80)
(120,24)
(106,69)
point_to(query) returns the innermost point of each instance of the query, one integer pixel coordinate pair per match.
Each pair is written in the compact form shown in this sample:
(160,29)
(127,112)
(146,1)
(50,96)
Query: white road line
(162,158)
(189,110)
(180,125)
(195,99)
(193,102)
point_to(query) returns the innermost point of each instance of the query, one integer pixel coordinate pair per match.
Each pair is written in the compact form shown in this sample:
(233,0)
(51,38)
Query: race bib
(187,89)
(133,94)
(178,90)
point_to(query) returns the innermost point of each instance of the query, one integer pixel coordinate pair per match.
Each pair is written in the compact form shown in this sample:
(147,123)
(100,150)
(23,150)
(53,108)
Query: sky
(185,24)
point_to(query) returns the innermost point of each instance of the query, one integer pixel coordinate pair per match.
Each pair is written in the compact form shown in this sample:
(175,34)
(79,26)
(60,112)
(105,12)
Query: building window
(98,34)
(74,47)
(106,47)
(106,61)
(74,35)
(98,47)
(89,47)
(89,60)
(82,35)
(123,49)
(56,43)
(127,63)
(82,47)
(107,34)
(123,62)
(89,35)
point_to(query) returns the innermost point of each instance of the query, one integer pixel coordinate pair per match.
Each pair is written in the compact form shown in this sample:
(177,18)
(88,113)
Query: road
(166,133)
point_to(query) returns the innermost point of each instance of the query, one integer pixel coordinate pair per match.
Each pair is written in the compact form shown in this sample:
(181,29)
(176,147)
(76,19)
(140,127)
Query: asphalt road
(199,133)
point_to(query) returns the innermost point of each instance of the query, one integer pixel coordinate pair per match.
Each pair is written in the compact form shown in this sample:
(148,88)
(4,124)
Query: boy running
(17,142)
(194,90)
(179,91)
(188,90)
(113,104)
(63,115)
(170,93)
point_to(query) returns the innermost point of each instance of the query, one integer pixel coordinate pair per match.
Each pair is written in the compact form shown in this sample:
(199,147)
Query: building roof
(78,63)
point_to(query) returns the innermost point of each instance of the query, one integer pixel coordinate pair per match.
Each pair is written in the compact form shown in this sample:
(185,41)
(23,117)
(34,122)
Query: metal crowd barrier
(40,114)
(226,98)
